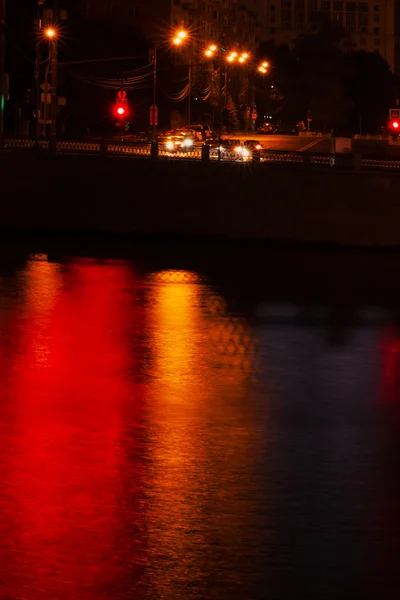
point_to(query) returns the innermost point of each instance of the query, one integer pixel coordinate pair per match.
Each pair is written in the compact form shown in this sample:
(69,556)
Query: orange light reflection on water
(201,421)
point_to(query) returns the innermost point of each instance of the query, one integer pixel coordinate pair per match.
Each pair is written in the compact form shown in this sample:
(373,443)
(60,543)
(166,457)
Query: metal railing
(157,151)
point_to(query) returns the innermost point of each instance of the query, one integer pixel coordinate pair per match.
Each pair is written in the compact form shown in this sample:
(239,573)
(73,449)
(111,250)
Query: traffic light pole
(2,70)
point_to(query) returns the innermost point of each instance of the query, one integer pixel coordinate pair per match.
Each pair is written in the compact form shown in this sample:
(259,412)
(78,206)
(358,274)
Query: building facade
(149,17)
(369,25)
(226,22)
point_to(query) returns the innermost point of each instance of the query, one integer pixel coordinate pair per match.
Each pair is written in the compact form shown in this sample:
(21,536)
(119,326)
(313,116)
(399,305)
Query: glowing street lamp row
(181,36)
(233,57)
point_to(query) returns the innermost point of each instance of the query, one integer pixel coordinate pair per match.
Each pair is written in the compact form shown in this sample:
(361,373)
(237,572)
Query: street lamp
(179,38)
(50,33)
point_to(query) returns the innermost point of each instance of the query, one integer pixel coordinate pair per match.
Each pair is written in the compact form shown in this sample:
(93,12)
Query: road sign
(121,95)
(394,113)
(46,87)
(45,98)
(155,115)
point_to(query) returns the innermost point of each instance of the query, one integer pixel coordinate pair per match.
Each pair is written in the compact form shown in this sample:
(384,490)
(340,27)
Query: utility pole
(189,92)
(154,91)
(2,70)
(53,75)
(37,67)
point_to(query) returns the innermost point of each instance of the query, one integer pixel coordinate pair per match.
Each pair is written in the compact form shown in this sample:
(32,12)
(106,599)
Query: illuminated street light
(213,48)
(179,37)
(230,58)
(50,32)
(242,59)
(265,64)
(245,55)
(209,52)
(234,54)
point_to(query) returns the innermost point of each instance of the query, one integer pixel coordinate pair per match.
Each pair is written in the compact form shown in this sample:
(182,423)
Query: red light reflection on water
(68,397)
(390,389)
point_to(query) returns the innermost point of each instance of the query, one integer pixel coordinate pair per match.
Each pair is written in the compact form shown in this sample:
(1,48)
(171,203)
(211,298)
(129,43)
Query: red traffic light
(121,110)
(394,124)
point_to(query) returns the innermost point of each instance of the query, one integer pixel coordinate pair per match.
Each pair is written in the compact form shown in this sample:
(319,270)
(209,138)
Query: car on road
(252,145)
(245,149)
(268,128)
(201,132)
(178,142)
(226,148)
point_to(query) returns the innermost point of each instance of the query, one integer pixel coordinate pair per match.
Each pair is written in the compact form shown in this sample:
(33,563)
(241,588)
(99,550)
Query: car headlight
(187,143)
(258,147)
(239,149)
(245,153)
(169,145)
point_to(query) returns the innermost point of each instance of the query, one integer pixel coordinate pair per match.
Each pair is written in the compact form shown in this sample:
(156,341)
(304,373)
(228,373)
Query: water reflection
(155,444)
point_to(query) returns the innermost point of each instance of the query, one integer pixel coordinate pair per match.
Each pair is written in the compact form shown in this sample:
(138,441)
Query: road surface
(288,143)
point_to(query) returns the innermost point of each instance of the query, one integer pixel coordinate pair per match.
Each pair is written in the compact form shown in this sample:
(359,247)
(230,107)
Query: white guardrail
(205,153)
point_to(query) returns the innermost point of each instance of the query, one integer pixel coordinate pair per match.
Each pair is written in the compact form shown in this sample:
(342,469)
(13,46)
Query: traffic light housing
(121,108)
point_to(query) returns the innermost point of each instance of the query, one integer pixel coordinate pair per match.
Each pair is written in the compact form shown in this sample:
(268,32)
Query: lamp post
(154,92)
(180,38)
(51,34)
(2,69)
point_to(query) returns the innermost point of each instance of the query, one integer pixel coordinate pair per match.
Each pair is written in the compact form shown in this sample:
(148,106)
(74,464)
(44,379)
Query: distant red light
(120,110)
(395,125)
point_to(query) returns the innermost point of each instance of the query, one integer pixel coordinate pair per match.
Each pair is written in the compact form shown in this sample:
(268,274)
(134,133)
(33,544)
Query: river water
(166,434)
